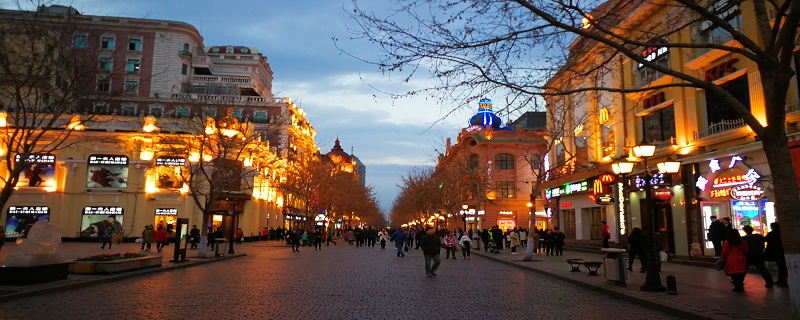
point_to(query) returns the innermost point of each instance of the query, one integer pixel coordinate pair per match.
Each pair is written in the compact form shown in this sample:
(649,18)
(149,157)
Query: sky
(336,90)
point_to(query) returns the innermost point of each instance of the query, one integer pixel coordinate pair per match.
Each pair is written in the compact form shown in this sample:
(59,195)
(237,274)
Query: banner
(107,171)
(20,219)
(39,170)
(95,220)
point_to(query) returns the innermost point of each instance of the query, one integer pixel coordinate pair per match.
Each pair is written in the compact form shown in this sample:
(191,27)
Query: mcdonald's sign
(607,178)
(598,187)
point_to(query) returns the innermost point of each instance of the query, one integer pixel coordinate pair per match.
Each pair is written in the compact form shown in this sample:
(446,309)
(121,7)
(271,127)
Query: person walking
(148,237)
(304,237)
(418,234)
(733,251)
(755,254)
(537,241)
(466,243)
(716,235)
(350,237)
(514,236)
(523,237)
(431,247)
(212,239)
(485,237)
(774,252)
(161,238)
(498,236)
(384,238)
(450,243)
(317,237)
(547,241)
(194,235)
(636,249)
(239,236)
(294,239)
(606,233)
(399,238)
(106,237)
(331,234)
(558,241)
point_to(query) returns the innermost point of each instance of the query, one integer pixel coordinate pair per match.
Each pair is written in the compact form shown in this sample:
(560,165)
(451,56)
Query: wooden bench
(592,265)
(575,264)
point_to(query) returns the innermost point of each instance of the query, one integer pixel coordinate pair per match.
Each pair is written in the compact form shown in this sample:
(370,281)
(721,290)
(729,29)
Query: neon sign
(569,188)
(621,195)
(651,54)
(747,192)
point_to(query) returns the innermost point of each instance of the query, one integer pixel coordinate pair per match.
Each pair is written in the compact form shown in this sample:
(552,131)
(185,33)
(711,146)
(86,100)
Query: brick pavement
(339,282)
(702,292)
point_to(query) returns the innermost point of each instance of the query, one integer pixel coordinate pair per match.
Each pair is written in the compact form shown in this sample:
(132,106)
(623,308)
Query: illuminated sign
(38,158)
(170,161)
(720,193)
(505,213)
(566,204)
(747,192)
(651,54)
(621,195)
(654,100)
(102,210)
(657,180)
(569,188)
(663,194)
(108,160)
(29,210)
(720,70)
(604,199)
(167,212)
(607,178)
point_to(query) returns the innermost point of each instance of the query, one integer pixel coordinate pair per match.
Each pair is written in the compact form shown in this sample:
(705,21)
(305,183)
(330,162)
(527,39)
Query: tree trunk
(787,206)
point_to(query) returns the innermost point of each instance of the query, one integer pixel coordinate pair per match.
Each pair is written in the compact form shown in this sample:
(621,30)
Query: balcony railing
(644,78)
(664,143)
(720,39)
(185,53)
(717,128)
(223,79)
(214,97)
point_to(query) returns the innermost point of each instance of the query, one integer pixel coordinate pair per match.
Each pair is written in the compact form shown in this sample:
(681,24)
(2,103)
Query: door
(597,215)
(569,223)
(663,222)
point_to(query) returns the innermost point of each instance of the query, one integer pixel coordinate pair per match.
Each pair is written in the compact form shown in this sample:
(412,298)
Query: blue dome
(485,116)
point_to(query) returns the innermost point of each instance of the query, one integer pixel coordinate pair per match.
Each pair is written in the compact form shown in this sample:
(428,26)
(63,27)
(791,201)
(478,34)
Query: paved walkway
(702,292)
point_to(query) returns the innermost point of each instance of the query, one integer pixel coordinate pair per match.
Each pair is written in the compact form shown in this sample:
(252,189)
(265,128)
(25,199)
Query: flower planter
(109,267)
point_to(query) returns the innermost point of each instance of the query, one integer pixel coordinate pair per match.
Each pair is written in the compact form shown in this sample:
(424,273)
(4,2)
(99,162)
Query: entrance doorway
(664,225)
(569,223)
(597,215)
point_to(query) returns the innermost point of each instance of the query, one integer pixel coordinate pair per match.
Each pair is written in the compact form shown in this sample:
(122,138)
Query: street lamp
(464,212)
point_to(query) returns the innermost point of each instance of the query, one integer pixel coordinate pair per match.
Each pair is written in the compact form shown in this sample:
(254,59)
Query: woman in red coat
(161,238)
(733,251)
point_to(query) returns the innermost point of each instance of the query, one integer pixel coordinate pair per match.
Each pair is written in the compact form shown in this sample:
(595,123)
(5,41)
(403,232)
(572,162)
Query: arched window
(185,47)
(504,161)
(473,161)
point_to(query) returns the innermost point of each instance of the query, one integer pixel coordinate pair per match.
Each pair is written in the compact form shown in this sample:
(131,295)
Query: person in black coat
(774,252)
(194,235)
(716,234)
(558,241)
(636,249)
(485,239)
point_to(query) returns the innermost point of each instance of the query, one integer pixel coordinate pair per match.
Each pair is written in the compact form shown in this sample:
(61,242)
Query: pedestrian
(329,238)
(514,236)
(537,241)
(294,239)
(418,234)
(371,236)
(304,237)
(317,236)
(148,237)
(399,238)
(606,233)
(384,238)
(450,243)
(431,247)
(476,238)
(194,235)
(359,237)
(774,252)
(733,251)
(412,234)
(2,237)
(548,242)
(523,237)
(755,254)
(558,241)
(542,240)
(161,238)
(497,235)
(636,247)
(212,239)
(265,234)
(465,242)
(106,237)
(716,235)
(350,237)
(239,236)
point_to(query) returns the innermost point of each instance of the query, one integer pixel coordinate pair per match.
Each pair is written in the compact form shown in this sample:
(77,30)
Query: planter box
(23,276)
(109,267)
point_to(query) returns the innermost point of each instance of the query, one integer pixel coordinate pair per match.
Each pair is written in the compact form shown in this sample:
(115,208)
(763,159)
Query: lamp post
(623,168)
(531,216)
(464,211)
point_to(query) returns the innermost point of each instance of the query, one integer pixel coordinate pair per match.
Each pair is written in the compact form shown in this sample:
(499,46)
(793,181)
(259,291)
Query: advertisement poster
(107,171)
(39,171)
(95,220)
(20,219)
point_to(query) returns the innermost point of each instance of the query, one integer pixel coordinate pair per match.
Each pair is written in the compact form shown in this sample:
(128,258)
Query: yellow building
(723,165)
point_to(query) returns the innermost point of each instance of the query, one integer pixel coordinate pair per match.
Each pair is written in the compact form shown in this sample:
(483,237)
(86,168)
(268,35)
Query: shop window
(505,189)
(135,44)
(169,177)
(107,42)
(504,161)
(474,161)
(79,41)
(717,110)
(95,220)
(660,125)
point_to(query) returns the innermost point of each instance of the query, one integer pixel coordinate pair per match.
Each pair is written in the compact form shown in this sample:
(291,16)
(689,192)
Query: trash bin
(219,242)
(614,266)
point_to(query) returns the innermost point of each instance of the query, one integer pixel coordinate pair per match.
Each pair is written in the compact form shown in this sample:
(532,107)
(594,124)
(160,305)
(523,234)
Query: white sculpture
(39,248)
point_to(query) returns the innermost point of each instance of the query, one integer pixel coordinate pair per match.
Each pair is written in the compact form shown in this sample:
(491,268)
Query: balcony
(220,98)
(717,128)
(647,77)
(185,53)
(664,143)
(223,79)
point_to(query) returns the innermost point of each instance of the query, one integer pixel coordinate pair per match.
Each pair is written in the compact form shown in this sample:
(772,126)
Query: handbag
(719,264)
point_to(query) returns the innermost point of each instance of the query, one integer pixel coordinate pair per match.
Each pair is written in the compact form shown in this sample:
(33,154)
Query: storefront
(580,216)
(95,220)
(166,218)
(20,219)
(731,188)
(507,220)
(168,172)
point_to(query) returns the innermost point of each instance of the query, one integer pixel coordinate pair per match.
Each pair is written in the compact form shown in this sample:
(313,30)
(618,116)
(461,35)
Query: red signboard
(720,70)
(566,204)
(607,178)
(653,100)
(663,194)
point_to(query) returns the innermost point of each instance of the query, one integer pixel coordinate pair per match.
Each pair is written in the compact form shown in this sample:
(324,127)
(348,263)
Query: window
(536,162)
(657,55)
(185,47)
(184,69)
(237,114)
(198,89)
(100,108)
(80,40)
(229,50)
(132,86)
(157,111)
(581,149)
(129,111)
(106,63)
(561,155)
(135,44)
(726,10)
(608,138)
(718,110)
(133,65)
(473,161)
(103,85)
(660,125)
(210,112)
(183,112)
(107,42)
(505,189)
(260,117)
(504,161)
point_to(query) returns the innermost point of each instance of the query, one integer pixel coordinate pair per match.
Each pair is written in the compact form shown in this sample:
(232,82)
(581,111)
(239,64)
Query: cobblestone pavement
(339,282)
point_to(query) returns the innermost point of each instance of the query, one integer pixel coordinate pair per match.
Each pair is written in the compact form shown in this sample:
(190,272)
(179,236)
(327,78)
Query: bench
(575,264)
(592,265)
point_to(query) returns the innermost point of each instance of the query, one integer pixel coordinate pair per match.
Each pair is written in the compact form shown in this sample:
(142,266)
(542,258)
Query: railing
(664,143)
(722,126)
(646,76)
(223,79)
(214,97)
(720,39)
(185,53)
